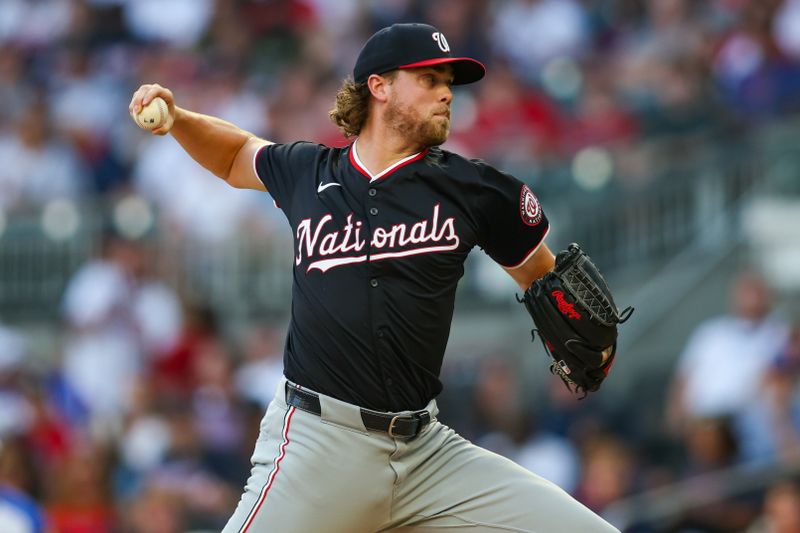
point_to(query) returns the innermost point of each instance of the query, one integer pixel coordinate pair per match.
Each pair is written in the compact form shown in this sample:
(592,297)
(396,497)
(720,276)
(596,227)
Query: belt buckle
(421,420)
(392,424)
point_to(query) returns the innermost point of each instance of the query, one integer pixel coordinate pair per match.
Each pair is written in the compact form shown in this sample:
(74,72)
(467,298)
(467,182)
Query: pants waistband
(406,425)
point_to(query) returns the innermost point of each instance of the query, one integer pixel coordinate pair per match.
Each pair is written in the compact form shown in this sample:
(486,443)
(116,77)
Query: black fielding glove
(576,318)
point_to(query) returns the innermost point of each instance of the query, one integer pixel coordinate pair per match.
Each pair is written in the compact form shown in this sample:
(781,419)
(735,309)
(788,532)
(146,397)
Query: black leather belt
(397,426)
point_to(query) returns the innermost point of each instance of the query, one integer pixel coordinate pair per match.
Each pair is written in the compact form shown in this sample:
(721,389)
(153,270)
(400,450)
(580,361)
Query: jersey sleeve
(280,167)
(514,223)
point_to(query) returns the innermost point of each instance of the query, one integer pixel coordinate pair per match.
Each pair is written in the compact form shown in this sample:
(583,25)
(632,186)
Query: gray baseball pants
(328,474)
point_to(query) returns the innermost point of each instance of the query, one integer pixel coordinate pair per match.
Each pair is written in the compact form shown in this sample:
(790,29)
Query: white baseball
(153,115)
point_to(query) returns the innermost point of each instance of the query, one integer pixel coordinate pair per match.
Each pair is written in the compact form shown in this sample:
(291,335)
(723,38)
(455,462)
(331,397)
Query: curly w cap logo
(529,208)
(565,307)
(441,41)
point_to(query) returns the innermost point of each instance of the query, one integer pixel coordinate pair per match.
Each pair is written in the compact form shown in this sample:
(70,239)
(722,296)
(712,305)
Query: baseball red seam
(161,113)
(266,488)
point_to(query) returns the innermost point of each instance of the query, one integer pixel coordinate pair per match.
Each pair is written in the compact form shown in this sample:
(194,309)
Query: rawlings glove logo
(565,307)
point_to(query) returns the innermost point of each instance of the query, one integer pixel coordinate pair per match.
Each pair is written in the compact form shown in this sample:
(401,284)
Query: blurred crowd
(144,417)
(585,86)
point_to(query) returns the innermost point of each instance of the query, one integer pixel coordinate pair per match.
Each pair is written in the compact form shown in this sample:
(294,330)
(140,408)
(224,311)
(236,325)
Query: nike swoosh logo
(322,187)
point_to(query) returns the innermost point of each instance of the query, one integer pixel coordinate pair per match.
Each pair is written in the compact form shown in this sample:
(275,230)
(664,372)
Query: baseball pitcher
(382,228)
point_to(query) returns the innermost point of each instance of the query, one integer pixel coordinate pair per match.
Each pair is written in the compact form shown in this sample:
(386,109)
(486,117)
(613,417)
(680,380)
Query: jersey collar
(356,162)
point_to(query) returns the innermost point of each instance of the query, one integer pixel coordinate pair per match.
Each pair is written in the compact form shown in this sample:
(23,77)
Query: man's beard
(407,122)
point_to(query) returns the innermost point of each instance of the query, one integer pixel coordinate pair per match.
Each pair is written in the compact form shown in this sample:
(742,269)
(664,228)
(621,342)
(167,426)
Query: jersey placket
(375,210)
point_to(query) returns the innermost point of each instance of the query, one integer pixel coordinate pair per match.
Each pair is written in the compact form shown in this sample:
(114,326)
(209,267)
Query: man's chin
(435,138)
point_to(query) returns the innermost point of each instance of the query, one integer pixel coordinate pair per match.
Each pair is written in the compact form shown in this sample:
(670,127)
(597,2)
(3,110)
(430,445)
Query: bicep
(243,172)
(537,265)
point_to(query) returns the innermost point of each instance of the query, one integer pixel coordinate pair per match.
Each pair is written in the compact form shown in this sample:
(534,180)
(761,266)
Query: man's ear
(379,87)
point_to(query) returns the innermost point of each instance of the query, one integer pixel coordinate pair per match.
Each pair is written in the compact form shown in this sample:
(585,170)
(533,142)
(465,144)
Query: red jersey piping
(356,162)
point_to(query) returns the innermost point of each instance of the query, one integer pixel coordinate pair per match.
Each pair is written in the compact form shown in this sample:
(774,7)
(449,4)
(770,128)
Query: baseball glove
(576,319)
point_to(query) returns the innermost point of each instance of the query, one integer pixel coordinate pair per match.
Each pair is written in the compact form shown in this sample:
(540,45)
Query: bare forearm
(210,141)
(222,148)
(539,264)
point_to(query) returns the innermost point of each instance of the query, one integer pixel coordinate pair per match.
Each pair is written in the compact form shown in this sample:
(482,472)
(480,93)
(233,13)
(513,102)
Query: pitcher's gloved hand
(576,318)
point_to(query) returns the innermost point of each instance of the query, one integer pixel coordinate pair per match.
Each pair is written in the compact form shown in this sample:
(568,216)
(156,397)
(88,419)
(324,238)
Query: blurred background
(144,304)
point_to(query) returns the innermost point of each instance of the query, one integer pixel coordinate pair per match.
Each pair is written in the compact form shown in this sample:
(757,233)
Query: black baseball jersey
(377,260)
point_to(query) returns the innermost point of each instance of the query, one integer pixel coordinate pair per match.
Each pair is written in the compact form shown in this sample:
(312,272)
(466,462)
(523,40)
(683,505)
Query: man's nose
(447,95)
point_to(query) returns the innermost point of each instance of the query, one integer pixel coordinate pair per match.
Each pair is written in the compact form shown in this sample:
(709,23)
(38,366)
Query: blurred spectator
(27,413)
(262,369)
(205,499)
(172,372)
(712,446)
(608,471)
(35,24)
(512,122)
(735,349)
(14,90)
(339,38)
(529,33)
(756,75)
(79,499)
(786,28)
(684,104)
(228,96)
(115,314)
(50,438)
(462,21)
(218,419)
(86,95)
(19,513)
(102,355)
(181,23)
(16,412)
(38,166)
(193,204)
(772,422)
(598,117)
(781,510)
(156,510)
(157,313)
(145,440)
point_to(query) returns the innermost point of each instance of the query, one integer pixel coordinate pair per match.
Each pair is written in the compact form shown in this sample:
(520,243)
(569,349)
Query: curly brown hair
(352,105)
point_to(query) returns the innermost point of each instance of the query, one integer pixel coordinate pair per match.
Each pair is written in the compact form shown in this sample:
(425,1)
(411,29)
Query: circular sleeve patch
(529,208)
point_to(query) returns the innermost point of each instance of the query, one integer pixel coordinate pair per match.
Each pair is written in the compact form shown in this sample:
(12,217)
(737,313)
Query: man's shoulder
(303,145)
(457,163)
(300,151)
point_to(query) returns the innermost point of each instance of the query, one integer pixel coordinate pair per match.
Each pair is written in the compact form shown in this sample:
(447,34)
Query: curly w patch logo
(565,307)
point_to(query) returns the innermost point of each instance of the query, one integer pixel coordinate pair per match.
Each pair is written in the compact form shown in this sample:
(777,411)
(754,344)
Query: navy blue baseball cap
(410,46)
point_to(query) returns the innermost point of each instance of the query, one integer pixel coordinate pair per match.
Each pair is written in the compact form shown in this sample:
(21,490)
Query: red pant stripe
(273,473)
